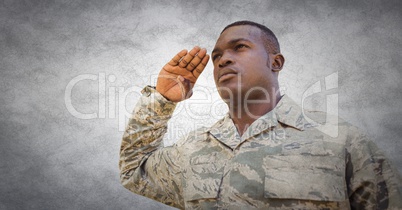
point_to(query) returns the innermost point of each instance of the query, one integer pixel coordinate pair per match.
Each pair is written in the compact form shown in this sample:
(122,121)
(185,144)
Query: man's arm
(146,167)
(372,182)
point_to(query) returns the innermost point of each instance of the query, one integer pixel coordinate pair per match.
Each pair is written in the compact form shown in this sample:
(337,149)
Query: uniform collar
(286,112)
(290,113)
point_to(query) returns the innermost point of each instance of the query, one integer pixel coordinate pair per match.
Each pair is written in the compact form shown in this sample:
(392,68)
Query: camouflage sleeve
(372,182)
(146,168)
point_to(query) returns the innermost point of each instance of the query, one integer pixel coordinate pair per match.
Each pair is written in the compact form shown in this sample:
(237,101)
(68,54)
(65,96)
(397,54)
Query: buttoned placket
(233,146)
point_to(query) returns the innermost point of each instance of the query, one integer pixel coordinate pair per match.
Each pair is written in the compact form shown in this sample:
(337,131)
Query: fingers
(196,60)
(201,66)
(176,59)
(187,59)
(193,62)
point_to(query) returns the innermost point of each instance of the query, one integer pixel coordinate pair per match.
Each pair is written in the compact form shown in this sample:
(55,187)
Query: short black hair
(269,38)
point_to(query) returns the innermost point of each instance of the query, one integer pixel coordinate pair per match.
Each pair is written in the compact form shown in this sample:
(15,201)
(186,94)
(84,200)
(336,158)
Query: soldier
(263,154)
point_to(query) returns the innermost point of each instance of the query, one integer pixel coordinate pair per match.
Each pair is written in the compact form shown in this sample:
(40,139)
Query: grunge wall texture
(51,159)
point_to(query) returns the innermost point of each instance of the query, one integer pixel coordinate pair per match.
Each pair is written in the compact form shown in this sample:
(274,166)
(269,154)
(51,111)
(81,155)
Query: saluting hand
(177,78)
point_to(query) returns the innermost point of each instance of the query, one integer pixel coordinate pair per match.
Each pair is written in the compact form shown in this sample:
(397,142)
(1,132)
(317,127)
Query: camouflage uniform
(280,162)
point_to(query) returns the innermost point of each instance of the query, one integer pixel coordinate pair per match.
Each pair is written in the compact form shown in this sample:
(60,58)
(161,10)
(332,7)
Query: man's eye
(215,57)
(239,46)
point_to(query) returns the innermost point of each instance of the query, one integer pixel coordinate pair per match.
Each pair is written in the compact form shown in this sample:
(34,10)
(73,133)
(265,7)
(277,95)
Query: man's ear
(277,62)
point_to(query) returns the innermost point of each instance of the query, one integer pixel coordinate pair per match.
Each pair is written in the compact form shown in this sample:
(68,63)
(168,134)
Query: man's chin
(228,92)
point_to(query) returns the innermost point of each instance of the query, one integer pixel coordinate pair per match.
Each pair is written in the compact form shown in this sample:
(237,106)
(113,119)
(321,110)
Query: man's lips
(226,74)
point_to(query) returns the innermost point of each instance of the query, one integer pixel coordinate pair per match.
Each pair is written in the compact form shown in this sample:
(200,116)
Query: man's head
(269,38)
(246,62)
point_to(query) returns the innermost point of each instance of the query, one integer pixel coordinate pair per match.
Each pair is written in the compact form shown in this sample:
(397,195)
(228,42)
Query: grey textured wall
(51,158)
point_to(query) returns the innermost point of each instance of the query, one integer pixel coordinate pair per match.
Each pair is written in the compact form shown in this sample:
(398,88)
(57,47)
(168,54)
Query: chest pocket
(304,177)
(203,178)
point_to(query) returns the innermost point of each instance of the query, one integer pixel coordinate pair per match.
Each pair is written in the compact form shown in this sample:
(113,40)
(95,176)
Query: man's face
(241,64)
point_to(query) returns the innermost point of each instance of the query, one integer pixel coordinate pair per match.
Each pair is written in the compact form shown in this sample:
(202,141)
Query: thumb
(185,87)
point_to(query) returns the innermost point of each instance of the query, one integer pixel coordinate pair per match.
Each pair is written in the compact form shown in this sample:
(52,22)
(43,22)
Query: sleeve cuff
(153,101)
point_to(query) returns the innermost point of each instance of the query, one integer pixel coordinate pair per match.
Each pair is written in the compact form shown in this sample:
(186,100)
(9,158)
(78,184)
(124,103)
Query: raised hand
(177,78)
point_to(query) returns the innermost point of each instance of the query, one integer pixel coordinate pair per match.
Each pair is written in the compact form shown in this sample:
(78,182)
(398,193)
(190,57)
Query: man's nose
(225,60)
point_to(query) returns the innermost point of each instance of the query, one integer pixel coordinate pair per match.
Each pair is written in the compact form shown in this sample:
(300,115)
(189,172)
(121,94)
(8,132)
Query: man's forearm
(144,133)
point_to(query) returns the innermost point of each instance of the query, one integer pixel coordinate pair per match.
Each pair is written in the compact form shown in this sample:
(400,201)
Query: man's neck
(244,114)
